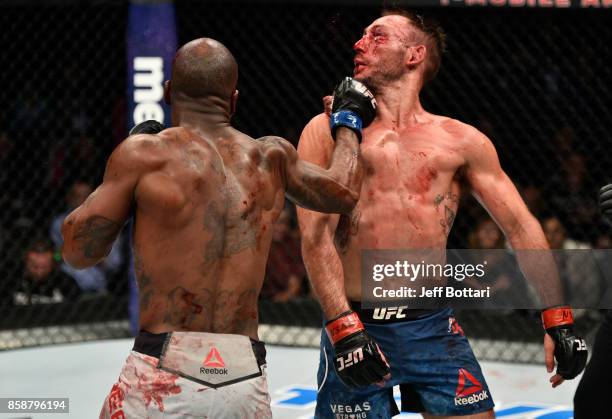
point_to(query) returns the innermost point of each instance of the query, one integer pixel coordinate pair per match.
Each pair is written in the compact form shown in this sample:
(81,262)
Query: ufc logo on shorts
(581,345)
(388,312)
(350,359)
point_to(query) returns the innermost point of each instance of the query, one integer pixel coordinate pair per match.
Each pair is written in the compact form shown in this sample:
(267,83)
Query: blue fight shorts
(430,358)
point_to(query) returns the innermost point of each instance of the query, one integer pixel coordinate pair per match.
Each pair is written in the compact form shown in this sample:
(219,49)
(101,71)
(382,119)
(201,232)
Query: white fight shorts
(191,375)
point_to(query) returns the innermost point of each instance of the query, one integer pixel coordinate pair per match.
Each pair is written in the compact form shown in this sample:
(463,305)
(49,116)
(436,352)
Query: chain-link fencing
(537,82)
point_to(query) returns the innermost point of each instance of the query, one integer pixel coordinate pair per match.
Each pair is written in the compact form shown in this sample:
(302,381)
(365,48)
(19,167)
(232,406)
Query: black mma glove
(358,361)
(353,106)
(605,203)
(147,127)
(570,351)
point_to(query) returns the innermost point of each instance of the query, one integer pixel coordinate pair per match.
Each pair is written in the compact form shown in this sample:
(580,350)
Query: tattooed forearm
(316,189)
(96,235)
(345,164)
(333,190)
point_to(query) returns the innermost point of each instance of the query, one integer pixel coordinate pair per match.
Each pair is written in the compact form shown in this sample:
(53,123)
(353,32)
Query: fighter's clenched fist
(358,360)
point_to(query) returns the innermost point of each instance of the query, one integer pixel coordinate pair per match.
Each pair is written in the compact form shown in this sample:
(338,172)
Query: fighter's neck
(207,120)
(400,106)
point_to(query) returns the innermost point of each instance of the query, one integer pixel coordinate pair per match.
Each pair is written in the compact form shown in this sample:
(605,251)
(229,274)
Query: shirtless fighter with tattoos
(205,197)
(414,163)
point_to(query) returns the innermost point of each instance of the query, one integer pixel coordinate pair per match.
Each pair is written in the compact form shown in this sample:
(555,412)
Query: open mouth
(359,65)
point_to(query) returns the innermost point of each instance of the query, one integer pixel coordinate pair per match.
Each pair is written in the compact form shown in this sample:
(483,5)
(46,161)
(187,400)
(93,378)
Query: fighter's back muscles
(90,230)
(320,256)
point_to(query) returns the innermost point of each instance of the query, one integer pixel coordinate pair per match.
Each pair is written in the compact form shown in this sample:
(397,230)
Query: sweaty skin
(205,198)
(416,165)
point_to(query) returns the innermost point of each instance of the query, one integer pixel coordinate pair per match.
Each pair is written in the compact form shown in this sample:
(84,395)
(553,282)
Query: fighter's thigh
(441,369)
(335,401)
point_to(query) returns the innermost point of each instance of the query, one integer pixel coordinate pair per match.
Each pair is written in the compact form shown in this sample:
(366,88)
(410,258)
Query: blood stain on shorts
(163,385)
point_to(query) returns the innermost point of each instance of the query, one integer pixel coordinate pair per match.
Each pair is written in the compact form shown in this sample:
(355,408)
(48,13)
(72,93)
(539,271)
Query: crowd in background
(30,232)
(65,108)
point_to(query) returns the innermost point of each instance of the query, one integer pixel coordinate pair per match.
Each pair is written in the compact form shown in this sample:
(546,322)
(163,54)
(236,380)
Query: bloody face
(381,51)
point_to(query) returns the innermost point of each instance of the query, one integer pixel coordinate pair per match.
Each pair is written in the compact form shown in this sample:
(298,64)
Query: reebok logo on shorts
(213,359)
(214,362)
(469,390)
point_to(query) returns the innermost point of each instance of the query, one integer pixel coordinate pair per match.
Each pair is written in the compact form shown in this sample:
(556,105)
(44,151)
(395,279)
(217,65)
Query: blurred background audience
(41,281)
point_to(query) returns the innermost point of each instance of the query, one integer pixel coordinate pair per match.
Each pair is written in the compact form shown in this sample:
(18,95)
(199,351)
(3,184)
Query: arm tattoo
(96,236)
(348,225)
(448,202)
(313,187)
(317,190)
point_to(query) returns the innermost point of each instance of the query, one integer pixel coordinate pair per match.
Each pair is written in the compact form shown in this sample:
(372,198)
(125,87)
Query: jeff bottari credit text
(431,271)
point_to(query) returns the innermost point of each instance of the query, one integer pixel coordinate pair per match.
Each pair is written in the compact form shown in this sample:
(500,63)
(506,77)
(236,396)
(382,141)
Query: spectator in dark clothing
(532,195)
(577,265)
(572,196)
(285,270)
(41,281)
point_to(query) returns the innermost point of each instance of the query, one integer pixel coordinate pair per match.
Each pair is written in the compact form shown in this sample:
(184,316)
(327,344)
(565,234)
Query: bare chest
(417,164)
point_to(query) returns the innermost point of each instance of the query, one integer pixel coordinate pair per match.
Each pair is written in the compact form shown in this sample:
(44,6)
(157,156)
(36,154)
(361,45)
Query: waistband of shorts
(386,315)
(152,344)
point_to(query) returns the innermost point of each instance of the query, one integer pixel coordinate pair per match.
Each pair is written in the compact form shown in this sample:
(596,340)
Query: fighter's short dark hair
(435,35)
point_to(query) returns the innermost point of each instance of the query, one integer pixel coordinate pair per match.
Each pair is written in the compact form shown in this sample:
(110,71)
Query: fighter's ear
(233,102)
(415,55)
(167,92)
